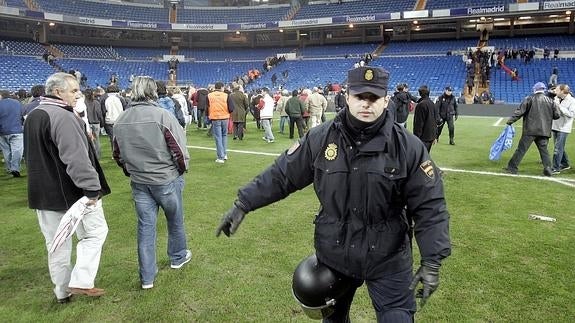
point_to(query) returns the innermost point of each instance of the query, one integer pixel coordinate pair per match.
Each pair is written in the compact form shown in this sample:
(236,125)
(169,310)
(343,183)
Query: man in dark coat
(425,119)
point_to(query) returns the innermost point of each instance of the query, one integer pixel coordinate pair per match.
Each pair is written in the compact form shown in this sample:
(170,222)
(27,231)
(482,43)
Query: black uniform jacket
(365,188)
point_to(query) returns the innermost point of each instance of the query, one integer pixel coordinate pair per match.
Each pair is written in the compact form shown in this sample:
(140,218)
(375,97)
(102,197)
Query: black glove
(231,221)
(428,275)
(456,115)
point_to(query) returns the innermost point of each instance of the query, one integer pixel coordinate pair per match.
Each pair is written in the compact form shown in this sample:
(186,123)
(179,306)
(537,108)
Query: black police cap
(368,79)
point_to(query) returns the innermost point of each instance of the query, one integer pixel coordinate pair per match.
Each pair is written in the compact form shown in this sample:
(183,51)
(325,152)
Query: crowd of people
(147,128)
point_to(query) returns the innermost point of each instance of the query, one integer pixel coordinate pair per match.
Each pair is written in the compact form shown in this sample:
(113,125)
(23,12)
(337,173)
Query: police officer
(446,106)
(364,231)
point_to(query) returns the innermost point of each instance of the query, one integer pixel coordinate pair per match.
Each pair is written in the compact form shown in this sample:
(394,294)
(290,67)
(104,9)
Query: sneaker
(220,161)
(188,258)
(225,157)
(148,286)
(555,172)
(565,168)
(264,139)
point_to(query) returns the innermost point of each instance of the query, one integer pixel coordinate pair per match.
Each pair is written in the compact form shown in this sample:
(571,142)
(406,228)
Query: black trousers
(299,123)
(450,126)
(239,130)
(201,114)
(524,144)
(390,297)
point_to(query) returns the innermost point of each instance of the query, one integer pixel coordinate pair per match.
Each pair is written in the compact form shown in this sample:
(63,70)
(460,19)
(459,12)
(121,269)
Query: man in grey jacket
(150,146)
(62,168)
(538,112)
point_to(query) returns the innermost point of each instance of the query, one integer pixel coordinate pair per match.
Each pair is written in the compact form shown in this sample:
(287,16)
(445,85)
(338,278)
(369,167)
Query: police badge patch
(368,76)
(427,168)
(331,152)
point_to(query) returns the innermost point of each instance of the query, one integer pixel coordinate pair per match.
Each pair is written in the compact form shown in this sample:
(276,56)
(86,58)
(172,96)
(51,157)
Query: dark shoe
(555,172)
(451,142)
(564,168)
(92,292)
(64,300)
(15,173)
(547,171)
(510,171)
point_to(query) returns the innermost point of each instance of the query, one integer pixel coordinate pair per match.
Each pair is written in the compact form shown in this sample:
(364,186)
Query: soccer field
(503,268)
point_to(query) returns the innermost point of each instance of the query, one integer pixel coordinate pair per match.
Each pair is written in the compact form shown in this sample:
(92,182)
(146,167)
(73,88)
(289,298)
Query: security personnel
(364,231)
(446,106)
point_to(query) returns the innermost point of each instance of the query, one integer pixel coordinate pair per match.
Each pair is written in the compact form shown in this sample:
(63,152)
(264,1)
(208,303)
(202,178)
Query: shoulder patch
(427,168)
(293,148)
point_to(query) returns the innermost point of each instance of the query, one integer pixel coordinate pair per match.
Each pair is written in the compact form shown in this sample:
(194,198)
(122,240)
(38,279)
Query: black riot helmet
(317,288)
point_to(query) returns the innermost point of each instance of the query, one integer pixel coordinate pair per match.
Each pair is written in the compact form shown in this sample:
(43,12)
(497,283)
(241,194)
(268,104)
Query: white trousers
(315,120)
(91,234)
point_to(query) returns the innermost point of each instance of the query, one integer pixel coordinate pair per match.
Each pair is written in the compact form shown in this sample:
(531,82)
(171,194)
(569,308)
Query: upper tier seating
(231,15)
(104,10)
(445,4)
(22,47)
(350,8)
(15,3)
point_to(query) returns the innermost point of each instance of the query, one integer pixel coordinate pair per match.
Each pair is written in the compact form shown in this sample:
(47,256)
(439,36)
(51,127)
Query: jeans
(12,147)
(220,133)
(109,127)
(96,133)
(283,120)
(148,198)
(522,148)
(560,159)
(266,123)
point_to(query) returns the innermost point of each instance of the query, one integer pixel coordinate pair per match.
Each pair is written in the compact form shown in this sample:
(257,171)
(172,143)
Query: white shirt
(567,108)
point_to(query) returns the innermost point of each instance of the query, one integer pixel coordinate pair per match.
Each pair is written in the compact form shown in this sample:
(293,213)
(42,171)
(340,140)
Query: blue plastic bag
(502,143)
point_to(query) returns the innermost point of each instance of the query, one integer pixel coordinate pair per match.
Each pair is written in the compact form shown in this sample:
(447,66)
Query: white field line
(564,181)
(497,123)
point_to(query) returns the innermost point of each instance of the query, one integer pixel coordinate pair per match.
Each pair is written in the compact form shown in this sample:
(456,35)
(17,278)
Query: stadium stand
(351,8)
(331,51)
(23,72)
(443,4)
(232,15)
(218,54)
(105,10)
(430,47)
(416,63)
